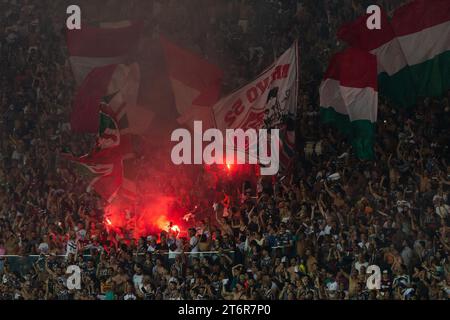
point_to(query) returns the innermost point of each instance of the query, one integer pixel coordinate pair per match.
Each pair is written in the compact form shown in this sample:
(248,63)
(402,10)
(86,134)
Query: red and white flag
(349,98)
(122,82)
(266,102)
(412,49)
(92,47)
(195,84)
(107,163)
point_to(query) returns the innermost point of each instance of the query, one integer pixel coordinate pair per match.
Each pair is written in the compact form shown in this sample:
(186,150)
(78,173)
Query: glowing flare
(162,223)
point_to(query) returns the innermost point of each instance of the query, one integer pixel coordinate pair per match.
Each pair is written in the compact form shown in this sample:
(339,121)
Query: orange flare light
(175,229)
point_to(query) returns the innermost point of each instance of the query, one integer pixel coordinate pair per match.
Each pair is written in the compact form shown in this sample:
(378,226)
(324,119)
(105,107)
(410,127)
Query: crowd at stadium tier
(309,235)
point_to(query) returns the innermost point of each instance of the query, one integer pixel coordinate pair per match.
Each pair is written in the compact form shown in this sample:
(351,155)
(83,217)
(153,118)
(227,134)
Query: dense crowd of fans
(309,234)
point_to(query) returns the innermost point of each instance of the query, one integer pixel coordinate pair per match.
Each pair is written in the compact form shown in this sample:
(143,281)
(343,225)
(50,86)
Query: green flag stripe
(360,133)
(428,79)
(106,122)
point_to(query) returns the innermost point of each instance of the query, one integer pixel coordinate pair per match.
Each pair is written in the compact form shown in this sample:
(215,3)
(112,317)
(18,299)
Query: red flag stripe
(103,42)
(419,15)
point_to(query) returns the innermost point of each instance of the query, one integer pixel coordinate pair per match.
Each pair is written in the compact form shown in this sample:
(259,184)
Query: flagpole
(297,89)
(136,198)
(297,80)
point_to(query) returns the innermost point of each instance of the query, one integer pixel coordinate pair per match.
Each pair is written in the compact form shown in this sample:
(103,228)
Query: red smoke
(155,215)
(170,197)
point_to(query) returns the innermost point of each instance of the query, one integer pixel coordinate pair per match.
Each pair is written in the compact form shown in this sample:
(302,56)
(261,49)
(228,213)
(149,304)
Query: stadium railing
(24,264)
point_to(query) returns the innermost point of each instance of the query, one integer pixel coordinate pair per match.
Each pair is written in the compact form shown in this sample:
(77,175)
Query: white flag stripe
(426,44)
(413,49)
(184,95)
(390,57)
(330,96)
(125,81)
(81,66)
(361,103)
(357,103)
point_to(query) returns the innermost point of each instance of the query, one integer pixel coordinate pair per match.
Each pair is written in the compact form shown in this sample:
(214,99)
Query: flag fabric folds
(422,28)
(85,108)
(108,161)
(92,47)
(266,102)
(349,98)
(195,82)
(122,83)
(413,50)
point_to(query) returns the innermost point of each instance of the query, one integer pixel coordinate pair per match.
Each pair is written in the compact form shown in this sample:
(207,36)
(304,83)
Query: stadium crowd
(310,234)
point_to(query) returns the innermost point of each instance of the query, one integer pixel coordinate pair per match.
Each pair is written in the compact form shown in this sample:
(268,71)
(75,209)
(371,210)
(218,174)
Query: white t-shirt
(325,231)
(358,265)
(364,244)
(193,242)
(175,253)
(442,210)
(129,296)
(332,286)
(401,204)
(407,255)
(43,247)
(81,234)
(71,247)
(137,280)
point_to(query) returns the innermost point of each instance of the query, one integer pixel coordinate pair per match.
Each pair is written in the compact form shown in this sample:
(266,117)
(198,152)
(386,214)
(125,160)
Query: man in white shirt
(43,246)
(71,247)
(138,277)
(193,240)
(441,208)
(361,263)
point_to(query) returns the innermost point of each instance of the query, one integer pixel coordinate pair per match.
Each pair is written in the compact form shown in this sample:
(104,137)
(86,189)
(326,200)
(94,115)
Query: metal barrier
(24,264)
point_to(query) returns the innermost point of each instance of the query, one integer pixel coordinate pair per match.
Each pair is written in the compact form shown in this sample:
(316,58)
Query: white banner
(264,102)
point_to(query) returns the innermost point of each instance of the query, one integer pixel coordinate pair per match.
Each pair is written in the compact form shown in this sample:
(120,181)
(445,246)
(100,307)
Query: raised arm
(389,162)
(373,193)
(313,209)
(49,198)
(330,193)
(322,211)
(380,185)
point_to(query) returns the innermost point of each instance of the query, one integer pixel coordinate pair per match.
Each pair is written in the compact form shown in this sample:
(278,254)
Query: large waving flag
(108,161)
(413,50)
(394,78)
(266,102)
(122,84)
(85,108)
(195,84)
(95,54)
(422,28)
(349,98)
(92,47)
